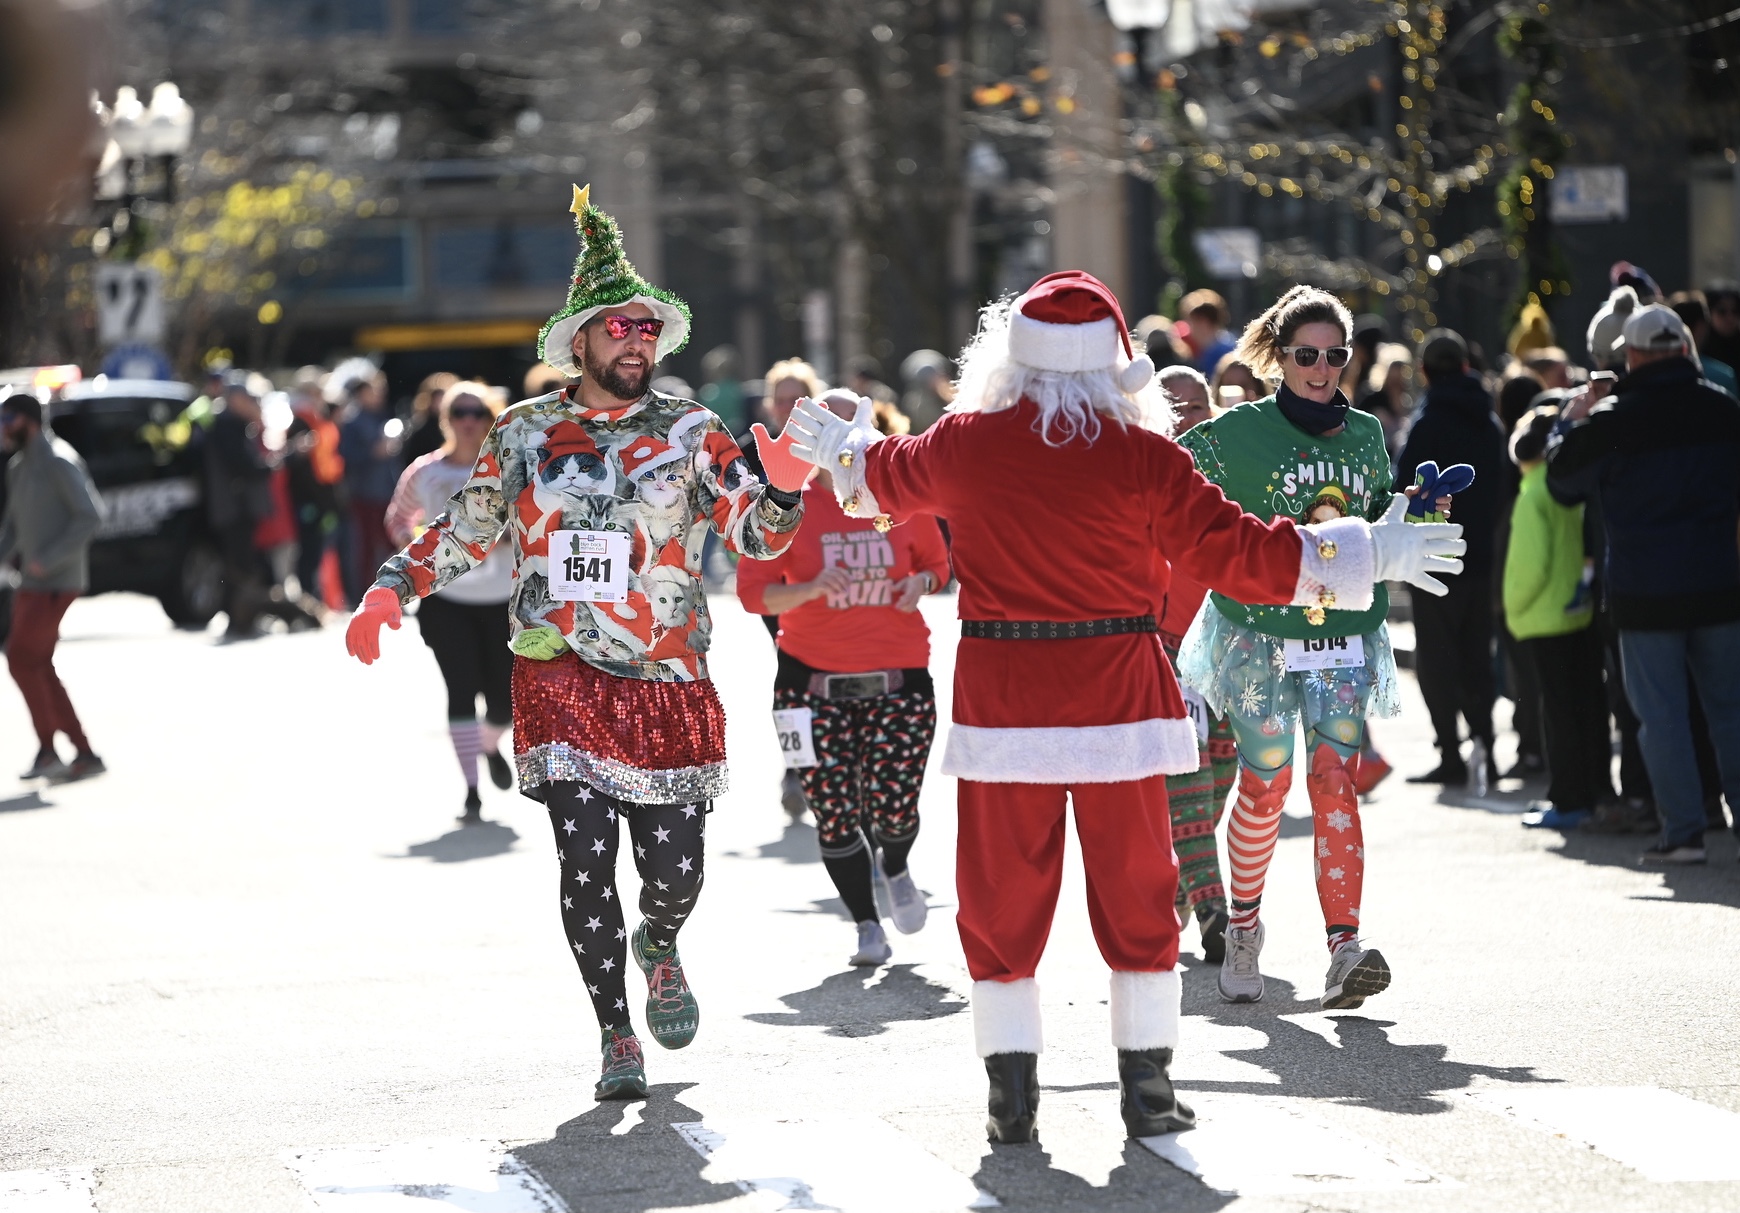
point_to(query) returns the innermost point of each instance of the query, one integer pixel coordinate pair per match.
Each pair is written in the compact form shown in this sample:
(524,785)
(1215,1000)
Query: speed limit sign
(129,304)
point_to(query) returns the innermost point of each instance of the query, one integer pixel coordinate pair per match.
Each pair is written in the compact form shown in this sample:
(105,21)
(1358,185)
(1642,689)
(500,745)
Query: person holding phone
(853,681)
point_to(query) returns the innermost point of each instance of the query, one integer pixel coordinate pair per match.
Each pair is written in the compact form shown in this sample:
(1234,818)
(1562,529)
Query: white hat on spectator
(1607,330)
(1657,328)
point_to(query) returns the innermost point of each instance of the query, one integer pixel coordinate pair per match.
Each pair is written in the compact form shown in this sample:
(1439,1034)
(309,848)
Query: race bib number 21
(589,566)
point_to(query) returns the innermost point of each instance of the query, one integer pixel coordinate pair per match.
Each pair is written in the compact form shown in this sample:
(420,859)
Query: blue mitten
(1434,484)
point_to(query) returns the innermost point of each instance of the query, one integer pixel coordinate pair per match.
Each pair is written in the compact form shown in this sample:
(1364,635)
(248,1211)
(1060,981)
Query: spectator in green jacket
(1548,607)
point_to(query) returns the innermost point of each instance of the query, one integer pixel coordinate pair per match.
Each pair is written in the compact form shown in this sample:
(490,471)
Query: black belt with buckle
(857,686)
(1039,629)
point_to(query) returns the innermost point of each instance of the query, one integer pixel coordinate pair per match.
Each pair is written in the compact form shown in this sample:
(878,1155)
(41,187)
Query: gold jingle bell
(850,505)
(1314,616)
(1327,549)
(845,459)
(883,523)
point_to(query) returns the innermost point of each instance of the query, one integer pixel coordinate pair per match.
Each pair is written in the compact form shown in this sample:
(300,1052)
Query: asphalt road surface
(257,967)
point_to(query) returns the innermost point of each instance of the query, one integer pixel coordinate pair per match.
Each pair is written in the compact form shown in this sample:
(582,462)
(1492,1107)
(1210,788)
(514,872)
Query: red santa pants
(1009,867)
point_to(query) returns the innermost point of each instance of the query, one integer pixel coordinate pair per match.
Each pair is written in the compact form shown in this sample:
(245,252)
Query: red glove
(785,471)
(363,636)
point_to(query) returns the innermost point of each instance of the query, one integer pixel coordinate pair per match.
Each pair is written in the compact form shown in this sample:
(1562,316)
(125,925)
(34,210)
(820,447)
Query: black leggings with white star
(668,843)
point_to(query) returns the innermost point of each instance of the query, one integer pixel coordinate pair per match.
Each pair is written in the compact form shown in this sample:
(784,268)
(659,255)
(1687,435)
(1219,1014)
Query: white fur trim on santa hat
(1092,346)
(1106,753)
(1145,1010)
(1349,574)
(1006,1017)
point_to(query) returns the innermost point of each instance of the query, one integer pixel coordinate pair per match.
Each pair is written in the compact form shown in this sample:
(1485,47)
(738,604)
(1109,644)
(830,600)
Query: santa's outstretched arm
(1324,565)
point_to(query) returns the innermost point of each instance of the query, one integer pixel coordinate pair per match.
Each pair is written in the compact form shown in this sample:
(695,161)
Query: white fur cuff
(1006,1017)
(849,488)
(1145,1010)
(1337,565)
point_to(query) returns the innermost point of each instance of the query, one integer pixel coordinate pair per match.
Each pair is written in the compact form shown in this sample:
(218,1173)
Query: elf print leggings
(667,842)
(870,756)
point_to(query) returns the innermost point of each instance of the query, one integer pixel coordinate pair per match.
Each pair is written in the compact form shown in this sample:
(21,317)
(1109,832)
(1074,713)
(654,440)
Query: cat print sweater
(654,475)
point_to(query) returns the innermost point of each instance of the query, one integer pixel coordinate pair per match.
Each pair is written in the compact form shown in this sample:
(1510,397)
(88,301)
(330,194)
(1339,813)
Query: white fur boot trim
(1145,1010)
(1006,1017)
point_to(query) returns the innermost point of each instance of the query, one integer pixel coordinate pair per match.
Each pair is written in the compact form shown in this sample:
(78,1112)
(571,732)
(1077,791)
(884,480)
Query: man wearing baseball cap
(1661,457)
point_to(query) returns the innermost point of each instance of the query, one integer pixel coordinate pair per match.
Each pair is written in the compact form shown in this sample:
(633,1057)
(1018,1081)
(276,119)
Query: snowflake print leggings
(667,842)
(1333,704)
(870,756)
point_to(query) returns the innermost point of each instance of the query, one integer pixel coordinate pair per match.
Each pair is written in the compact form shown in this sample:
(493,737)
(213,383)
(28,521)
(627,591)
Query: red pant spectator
(36,616)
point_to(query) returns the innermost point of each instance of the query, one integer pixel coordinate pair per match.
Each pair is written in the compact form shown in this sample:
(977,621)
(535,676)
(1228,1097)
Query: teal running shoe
(672,1014)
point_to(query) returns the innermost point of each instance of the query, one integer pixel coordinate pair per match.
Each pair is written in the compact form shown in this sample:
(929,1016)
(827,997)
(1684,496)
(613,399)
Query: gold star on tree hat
(603,278)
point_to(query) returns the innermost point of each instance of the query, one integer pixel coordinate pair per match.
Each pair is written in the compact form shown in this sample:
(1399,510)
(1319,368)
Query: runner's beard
(621,384)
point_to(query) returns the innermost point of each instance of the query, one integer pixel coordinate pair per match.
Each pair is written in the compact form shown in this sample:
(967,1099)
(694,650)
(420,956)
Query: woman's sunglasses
(1306,355)
(620,326)
(468,413)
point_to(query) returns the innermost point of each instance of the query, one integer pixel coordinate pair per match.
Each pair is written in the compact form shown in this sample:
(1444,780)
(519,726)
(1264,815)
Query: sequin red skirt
(647,742)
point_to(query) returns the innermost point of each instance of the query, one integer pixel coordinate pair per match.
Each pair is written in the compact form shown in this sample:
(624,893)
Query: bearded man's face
(623,367)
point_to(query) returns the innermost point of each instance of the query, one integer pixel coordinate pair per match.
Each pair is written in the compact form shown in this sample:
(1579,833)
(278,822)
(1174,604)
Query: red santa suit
(1058,532)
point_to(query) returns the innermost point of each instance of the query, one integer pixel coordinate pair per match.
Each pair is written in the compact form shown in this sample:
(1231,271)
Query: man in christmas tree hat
(615,718)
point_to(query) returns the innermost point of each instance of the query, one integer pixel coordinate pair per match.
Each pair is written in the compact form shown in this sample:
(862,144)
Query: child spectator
(1548,607)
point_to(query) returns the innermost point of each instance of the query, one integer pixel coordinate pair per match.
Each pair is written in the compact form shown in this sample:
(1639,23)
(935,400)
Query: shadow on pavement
(796,845)
(465,842)
(624,1157)
(854,1003)
(25,800)
(1713,883)
(1362,1067)
(1022,1177)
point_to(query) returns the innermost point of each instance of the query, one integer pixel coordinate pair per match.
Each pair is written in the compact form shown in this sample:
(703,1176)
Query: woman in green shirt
(1305,454)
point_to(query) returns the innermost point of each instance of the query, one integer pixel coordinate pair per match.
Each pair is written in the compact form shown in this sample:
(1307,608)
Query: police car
(143,452)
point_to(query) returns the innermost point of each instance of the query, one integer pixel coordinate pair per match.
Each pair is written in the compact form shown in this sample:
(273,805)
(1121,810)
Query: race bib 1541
(589,566)
(1325,653)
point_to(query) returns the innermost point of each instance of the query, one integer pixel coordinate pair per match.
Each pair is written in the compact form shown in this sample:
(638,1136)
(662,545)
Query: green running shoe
(672,1014)
(624,1074)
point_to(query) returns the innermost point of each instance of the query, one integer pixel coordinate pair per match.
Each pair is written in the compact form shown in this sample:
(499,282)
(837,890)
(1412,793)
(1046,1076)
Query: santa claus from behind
(1066,518)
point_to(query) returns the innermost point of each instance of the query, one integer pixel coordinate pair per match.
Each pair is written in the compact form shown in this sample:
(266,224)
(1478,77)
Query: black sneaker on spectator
(1622,817)
(1663,854)
(83,767)
(1713,818)
(1451,774)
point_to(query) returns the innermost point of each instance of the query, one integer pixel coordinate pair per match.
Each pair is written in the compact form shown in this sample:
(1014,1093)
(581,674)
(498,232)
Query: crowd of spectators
(1601,589)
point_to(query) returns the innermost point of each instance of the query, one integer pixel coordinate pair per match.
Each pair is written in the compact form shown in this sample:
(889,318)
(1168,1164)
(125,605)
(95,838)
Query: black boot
(1014,1102)
(1149,1104)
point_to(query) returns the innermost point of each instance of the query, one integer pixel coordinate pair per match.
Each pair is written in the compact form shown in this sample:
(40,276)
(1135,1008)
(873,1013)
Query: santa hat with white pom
(1070,322)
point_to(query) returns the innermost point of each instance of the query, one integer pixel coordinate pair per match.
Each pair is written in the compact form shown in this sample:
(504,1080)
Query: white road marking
(1256,1145)
(849,1164)
(476,1176)
(46,1192)
(1665,1136)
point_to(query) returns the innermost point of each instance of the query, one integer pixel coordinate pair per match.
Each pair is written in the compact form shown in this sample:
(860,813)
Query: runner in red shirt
(853,654)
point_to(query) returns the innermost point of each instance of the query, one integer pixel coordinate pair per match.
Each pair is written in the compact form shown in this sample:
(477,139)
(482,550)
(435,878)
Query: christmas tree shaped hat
(603,278)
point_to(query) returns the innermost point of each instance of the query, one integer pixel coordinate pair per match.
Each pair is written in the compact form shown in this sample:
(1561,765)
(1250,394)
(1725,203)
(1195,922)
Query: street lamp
(136,152)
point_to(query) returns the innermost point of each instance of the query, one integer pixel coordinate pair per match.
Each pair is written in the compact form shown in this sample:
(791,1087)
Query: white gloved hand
(1413,551)
(822,437)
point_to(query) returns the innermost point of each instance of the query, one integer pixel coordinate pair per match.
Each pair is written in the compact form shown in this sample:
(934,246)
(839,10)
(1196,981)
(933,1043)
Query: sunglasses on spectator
(620,326)
(1306,355)
(468,413)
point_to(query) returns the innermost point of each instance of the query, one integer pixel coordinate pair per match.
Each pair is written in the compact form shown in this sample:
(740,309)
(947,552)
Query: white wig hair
(1071,403)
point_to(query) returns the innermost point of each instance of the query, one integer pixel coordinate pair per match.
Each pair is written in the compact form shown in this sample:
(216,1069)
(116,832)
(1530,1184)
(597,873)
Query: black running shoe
(500,773)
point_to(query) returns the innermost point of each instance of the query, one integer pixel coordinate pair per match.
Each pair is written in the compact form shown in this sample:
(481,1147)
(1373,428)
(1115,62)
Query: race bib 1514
(1325,653)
